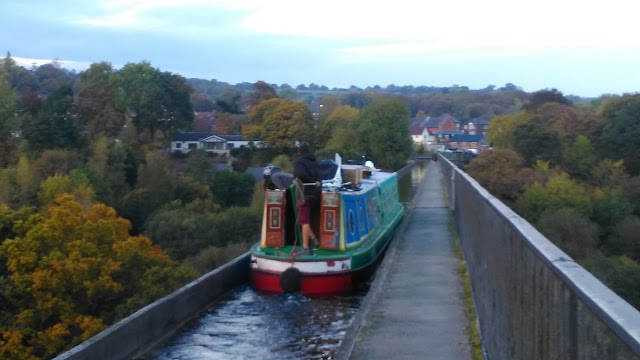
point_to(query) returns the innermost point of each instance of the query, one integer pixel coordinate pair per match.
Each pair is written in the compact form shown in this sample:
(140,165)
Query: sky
(582,48)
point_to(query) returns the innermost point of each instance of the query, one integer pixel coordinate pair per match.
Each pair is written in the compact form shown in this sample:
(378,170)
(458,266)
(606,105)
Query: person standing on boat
(307,169)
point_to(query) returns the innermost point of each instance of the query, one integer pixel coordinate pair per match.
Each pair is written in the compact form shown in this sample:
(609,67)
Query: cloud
(66,64)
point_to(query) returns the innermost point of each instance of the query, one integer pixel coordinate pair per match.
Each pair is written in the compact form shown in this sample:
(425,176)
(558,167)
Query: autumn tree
(73,270)
(500,129)
(498,171)
(280,122)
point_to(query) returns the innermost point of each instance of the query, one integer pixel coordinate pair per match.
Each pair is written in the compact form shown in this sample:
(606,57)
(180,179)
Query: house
(421,135)
(476,126)
(219,144)
(445,122)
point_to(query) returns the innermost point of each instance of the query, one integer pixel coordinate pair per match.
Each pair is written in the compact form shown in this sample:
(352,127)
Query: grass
(469,306)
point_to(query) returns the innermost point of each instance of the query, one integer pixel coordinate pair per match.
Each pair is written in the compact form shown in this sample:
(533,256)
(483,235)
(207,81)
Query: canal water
(246,324)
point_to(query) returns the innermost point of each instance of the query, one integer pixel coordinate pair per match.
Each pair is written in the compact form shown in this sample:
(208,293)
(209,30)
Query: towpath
(414,308)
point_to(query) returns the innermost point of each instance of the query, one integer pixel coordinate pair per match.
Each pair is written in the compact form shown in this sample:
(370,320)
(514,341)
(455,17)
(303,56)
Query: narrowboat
(354,223)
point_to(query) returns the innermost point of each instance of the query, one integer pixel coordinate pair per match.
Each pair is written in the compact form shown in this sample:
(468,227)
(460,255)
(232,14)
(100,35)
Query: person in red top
(307,169)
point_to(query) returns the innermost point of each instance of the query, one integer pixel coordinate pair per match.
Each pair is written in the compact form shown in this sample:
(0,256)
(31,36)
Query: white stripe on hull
(305,267)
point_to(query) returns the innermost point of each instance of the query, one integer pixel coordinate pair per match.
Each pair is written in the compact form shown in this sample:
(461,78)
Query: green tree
(238,225)
(199,166)
(155,100)
(559,192)
(610,207)
(624,240)
(229,101)
(544,96)
(620,274)
(230,188)
(621,130)
(9,121)
(383,129)
(570,231)
(181,232)
(157,176)
(95,104)
(337,121)
(53,127)
(535,142)
(580,158)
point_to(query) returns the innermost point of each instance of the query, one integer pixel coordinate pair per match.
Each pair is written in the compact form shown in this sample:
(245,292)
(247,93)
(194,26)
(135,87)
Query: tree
(535,142)
(545,96)
(9,121)
(53,127)
(340,131)
(230,188)
(498,171)
(95,104)
(229,101)
(228,124)
(610,207)
(73,271)
(181,232)
(621,130)
(199,166)
(580,158)
(559,192)
(238,225)
(280,122)
(500,129)
(20,78)
(383,129)
(202,102)
(337,121)
(155,100)
(261,91)
(624,240)
(570,231)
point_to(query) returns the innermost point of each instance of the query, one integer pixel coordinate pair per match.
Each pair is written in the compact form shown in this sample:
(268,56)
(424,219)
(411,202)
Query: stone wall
(533,301)
(160,319)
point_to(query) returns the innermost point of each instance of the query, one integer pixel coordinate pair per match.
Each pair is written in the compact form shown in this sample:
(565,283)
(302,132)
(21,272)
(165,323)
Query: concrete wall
(533,301)
(161,318)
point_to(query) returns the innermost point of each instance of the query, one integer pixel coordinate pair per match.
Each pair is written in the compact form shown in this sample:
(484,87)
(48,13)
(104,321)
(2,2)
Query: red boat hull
(309,285)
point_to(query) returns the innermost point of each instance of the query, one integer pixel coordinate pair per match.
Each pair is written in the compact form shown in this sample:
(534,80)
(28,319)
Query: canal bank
(414,307)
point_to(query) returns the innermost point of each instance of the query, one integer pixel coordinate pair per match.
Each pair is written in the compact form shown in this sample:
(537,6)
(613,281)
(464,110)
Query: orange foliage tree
(69,271)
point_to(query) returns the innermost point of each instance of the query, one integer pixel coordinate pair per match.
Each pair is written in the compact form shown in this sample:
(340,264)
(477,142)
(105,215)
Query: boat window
(352,223)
